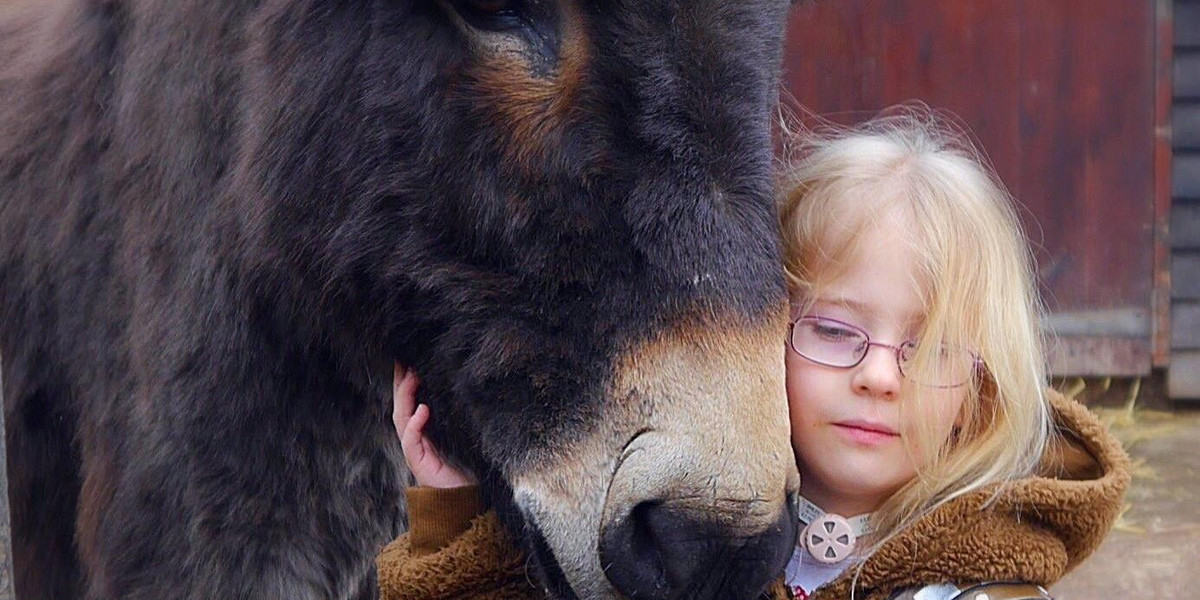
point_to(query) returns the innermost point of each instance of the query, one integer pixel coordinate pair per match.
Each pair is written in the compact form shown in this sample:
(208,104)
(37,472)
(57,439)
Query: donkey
(222,222)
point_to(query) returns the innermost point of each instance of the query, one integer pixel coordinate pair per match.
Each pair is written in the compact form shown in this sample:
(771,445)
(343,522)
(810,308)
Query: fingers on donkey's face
(404,392)
(419,419)
(397,380)
(405,386)
(410,437)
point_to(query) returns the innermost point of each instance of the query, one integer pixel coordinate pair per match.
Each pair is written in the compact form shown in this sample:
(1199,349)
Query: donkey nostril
(633,550)
(657,552)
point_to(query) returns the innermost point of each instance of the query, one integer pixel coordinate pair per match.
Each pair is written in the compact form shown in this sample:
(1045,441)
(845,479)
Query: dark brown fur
(220,223)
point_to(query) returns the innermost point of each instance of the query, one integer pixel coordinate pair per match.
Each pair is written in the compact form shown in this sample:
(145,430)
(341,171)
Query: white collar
(809,512)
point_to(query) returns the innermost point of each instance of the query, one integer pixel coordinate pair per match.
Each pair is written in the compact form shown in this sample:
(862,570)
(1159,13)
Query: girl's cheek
(932,423)
(945,408)
(957,399)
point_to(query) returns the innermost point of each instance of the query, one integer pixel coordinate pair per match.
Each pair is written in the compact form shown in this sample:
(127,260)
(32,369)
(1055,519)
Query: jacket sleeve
(436,516)
(452,552)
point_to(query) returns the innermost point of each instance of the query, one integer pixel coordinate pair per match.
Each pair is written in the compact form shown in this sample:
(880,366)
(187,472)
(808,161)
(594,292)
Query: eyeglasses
(841,345)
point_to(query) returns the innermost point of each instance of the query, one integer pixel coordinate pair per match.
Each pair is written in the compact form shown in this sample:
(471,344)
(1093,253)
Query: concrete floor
(1154,551)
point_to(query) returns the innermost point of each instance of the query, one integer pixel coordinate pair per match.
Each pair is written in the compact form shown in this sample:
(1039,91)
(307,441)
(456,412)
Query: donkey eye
(491,6)
(491,15)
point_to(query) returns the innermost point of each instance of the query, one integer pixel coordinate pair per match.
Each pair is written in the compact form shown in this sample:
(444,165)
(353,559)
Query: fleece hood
(1035,531)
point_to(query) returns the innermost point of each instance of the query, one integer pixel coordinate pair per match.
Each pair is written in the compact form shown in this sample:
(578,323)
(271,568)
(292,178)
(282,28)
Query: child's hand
(422,458)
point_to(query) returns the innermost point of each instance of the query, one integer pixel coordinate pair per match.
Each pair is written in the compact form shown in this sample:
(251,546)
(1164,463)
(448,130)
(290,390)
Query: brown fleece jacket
(1036,531)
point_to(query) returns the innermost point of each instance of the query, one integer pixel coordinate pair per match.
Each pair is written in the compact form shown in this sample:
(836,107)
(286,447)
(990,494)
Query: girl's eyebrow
(852,304)
(863,309)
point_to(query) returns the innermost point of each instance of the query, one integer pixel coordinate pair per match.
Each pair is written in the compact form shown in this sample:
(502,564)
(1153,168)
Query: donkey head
(560,213)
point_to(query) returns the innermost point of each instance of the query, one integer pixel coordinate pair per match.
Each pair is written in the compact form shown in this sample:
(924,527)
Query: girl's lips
(866,433)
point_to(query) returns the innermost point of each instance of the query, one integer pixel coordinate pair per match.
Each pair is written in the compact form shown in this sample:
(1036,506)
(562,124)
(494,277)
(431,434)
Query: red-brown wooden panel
(1060,94)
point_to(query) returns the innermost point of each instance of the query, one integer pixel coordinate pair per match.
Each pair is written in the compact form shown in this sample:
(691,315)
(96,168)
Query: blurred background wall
(1075,103)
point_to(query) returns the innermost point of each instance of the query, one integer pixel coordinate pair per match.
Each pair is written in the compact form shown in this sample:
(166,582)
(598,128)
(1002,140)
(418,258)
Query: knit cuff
(438,515)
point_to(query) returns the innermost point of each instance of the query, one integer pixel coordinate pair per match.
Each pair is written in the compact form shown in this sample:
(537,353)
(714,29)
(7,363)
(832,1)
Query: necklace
(828,537)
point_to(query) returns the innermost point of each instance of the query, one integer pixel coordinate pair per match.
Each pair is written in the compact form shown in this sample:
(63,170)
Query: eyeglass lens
(836,344)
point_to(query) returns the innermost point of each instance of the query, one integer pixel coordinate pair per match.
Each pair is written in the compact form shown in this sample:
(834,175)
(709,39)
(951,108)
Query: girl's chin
(866,482)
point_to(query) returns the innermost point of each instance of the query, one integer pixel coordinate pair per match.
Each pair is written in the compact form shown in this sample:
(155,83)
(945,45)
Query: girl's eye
(833,332)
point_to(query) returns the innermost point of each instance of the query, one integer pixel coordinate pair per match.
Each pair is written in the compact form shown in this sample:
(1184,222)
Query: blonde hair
(975,275)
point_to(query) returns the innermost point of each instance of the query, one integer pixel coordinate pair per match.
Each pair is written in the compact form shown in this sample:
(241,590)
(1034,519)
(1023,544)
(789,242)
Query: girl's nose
(878,374)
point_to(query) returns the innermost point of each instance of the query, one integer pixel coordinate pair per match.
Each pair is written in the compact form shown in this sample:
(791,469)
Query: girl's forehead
(867,312)
(880,282)
(863,260)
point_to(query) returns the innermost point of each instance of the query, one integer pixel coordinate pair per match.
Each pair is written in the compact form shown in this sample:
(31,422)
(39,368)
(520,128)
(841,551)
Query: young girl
(934,464)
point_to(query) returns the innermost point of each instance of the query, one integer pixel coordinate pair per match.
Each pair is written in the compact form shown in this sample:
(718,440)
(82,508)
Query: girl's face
(854,445)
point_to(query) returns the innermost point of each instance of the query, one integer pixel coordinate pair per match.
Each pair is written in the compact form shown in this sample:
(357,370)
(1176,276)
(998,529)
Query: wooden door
(1061,95)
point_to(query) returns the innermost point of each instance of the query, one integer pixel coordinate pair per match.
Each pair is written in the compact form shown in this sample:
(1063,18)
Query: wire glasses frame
(840,345)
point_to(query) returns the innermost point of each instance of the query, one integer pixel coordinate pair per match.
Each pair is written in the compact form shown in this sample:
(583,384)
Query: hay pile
(1132,425)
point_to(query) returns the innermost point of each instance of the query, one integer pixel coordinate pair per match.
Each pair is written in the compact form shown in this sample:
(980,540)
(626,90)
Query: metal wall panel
(1183,378)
